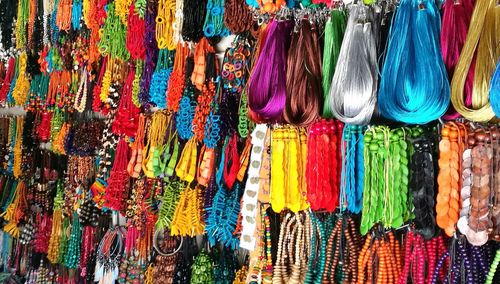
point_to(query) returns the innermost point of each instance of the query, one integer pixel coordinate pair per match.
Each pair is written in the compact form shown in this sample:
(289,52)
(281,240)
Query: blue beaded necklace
(160,78)
(185,115)
(76,14)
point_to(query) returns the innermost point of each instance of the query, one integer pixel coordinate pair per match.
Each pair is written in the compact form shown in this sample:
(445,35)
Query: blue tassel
(414,84)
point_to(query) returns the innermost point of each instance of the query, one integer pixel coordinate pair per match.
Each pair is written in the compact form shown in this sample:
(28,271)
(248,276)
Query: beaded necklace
(237,17)
(422,185)
(447,203)
(186,167)
(414,257)
(160,78)
(81,95)
(38,91)
(212,126)
(194,17)
(202,269)
(18,147)
(112,41)
(122,9)
(176,82)
(482,158)
(203,110)
(63,19)
(165,24)
(292,238)
(156,136)
(323,193)
(179,19)
(7,80)
(288,169)
(380,260)
(126,120)
(205,165)
(134,166)
(386,154)
(493,268)
(151,50)
(169,202)
(118,179)
(21,87)
(14,210)
(244,124)
(135,34)
(188,220)
(214,19)
(185,116)
(21,22)
(167,258)
(223,213)
(76,14)
(72,257)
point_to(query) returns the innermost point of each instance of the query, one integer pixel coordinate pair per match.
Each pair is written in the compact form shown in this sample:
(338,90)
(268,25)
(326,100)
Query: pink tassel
(456,20)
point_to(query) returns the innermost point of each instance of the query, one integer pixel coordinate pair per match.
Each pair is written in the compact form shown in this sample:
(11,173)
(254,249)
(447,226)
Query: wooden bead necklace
(380,260)
(81,96)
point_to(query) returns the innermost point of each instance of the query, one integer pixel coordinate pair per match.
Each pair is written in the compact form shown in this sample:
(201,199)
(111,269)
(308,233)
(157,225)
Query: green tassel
(334,34)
